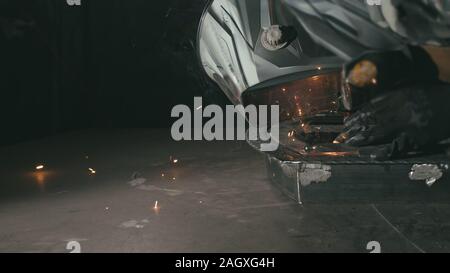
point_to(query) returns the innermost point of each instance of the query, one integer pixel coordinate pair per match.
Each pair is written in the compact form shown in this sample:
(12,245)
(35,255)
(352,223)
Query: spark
(156,207)
(92,171)
(173,160)
(40,167)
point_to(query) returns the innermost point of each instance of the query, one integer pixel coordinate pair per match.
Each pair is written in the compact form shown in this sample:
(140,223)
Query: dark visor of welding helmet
(299,96)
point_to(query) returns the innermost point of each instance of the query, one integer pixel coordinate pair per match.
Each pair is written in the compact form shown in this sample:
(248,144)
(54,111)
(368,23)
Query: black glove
(411,119)
(376,73)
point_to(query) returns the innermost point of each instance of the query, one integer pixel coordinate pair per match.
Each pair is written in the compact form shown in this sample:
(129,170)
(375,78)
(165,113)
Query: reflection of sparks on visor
(300,98)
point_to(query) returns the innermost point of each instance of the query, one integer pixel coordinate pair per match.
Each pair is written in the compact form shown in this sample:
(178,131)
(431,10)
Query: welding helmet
(286,51)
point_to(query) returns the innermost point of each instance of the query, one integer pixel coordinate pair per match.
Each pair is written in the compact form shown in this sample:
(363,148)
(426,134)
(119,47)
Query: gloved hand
(376,73)
(411,119)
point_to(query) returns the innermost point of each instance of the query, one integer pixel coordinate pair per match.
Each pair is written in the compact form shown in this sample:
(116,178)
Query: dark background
(104,64)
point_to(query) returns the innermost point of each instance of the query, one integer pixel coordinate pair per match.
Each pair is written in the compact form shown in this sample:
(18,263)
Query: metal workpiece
(347,182)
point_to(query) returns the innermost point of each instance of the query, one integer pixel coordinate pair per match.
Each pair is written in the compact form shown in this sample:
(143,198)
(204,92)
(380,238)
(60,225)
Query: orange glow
(339,154)
(41,178)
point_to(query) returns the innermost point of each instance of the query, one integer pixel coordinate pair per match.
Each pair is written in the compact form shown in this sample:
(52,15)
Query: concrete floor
(220,201)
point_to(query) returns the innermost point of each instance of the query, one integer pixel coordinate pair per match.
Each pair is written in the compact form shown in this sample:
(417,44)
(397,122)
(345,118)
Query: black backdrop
(106,63)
